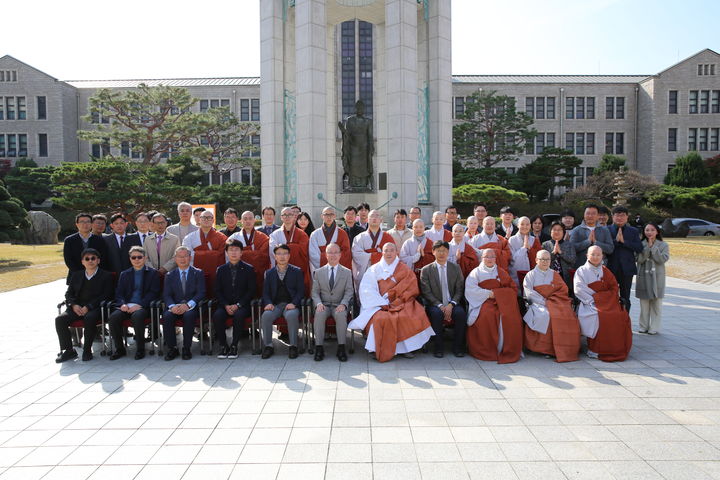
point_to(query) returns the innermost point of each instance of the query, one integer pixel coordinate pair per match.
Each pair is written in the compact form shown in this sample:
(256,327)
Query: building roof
(560,79)
(169,82)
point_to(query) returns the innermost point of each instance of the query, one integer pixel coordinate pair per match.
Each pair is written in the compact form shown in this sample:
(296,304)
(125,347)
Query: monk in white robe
(395,323)
(603,320)
(416,252)
(367,246)
(494,323)
(461,252)
(329,233)
(551,326)
(472,228)
(523,248)
(437,230)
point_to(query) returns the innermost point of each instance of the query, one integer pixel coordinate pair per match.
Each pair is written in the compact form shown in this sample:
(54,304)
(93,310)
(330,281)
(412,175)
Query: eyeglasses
(287,215)
(90,259)
(136,257)
(206,218)
(543,259)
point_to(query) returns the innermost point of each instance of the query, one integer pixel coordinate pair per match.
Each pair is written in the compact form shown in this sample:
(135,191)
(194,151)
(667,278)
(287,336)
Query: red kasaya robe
(209,259)
(502,251)
(613,340)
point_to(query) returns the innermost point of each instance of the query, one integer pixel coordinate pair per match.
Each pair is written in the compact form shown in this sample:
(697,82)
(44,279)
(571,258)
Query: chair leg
(210,332)
(152,330)
(103,318)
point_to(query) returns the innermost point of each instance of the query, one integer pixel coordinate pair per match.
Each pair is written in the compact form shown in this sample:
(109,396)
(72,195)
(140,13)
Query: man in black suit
(137,287)
(118,244)
(86,290)
(282,293)
(184,288)
(621,262)
(74,244)
(234,289)
(443,287)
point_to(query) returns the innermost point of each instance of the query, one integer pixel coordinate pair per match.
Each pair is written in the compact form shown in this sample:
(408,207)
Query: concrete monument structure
(318,58)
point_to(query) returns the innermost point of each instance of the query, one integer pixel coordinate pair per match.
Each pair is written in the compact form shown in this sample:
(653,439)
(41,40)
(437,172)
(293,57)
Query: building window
(672,139)
(129,150)
(550,108)
(206,104)
(704,101)
(246,176)
(615,107)
(670,166)
(580,143)
(615,143)
(530,106)
(580,107)
(693,102)
(255,139)
(10,108)
(255,109)
(21,108)
(459,107)
(692,139)
(540,107)
(714,139)
(702,139)
(715,105)
(100,150)
(245,110)
(542,141)
(706,69)
(12,146)
(2,145)
(672,101)
(356,65)
(8,76)
(41,108)
(2,109)
(42,145)
(96,117)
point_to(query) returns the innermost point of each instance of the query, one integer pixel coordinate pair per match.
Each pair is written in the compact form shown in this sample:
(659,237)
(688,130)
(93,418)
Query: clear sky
(108,39)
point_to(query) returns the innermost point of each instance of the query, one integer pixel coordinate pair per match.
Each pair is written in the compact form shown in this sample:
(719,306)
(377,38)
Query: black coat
(73,248)
(294,281)
(244,289)
(89,293)
(117,258)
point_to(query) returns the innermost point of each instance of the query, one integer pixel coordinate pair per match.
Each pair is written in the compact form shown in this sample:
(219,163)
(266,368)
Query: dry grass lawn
(28,265)
(692,258)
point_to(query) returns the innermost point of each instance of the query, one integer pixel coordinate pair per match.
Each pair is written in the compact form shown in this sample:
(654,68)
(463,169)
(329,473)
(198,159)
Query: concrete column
(402,98)
(440,83)
(310,81)
(271,102)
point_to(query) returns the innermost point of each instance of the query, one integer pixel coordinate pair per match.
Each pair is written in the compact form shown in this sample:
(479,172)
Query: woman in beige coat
(650,285)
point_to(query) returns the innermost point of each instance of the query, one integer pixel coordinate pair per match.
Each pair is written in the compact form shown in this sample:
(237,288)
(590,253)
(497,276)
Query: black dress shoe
(68,354)
(118,354)
(319,353)
(459,354)
(438,354)
(172,354)
(233,352)
(186,355)
(223,352)
(87,356)
(341,355)
(140,354)
(293,353)
(267,353)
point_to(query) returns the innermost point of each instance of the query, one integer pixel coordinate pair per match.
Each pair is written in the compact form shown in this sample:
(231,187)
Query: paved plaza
(656,415)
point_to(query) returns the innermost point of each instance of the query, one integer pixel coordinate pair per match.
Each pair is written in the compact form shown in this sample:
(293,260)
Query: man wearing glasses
(160,246)
(75,244)
(329,233)
(138,286)
(86,289)
(207,245)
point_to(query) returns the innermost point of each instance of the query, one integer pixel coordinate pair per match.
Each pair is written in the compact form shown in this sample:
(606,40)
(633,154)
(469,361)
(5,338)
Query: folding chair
(160,305)
(127,324)
(248,323)
(77,326)
(330,325)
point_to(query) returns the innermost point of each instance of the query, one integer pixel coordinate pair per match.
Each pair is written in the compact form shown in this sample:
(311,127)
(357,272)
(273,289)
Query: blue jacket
(579,239)
(126,285)
(194,287)
(244,289)
(293,281)
(622,261)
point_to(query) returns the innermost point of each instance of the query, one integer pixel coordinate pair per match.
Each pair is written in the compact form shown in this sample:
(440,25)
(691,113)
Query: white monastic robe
(537,316)
(435,235)
(409,252)
(587,313)
(361,258)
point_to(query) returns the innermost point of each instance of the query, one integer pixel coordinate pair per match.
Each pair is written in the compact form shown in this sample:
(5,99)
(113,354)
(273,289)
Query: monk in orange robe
(298,242)
(489,239)
(255,248)
(551,326)
(417,251)
(395,323)
(461,252)
(208,248)
(602,318)
(494,323)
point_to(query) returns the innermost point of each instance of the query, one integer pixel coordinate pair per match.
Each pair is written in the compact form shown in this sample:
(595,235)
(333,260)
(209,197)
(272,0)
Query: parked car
(689,227)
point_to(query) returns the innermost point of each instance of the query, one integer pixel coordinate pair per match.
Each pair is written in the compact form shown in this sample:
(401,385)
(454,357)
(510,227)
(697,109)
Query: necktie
(143,239)
(332,277)
(183,280)
(444,284)
(122,239)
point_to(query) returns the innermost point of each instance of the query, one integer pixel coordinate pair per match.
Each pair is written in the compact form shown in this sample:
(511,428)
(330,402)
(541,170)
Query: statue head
(360,108)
